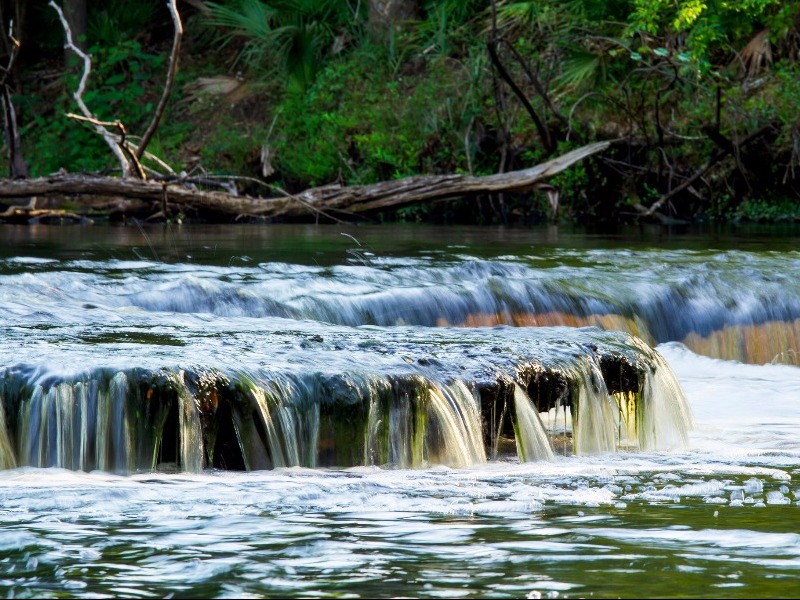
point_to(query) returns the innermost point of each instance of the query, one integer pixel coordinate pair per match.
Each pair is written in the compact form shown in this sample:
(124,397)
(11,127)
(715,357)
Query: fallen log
(85,190)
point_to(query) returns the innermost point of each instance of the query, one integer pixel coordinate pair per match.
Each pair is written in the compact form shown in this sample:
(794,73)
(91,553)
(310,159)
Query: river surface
(714,516)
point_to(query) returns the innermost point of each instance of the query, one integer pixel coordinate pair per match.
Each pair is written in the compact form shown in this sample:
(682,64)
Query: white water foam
(742,412)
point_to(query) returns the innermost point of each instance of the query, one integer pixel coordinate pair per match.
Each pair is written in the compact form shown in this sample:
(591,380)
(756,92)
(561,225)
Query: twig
(572,111)
(122,141)
(173,69)
(78,94)
(467,152)
(713,160)
(540,89)
(317,211)
(541,127)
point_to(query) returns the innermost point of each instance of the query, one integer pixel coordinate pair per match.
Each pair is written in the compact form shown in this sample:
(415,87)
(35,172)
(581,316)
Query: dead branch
(121,140)
(78,94)
(25,213)
(713,160)
(536,83)
(171,72)
(541,127)
(320,200)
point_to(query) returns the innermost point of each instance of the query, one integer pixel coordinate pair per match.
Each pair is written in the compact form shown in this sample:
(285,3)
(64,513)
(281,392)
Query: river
(332,481)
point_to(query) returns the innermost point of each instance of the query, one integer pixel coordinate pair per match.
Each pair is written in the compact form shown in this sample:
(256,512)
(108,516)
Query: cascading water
(663,418)
(291,421)
(221,362)
(312,409)
(189,427)
(453,435)
(76,425)
(7,459)
(259,390)
(532,440)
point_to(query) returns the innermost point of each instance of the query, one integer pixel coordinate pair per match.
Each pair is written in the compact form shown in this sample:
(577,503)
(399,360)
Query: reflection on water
(713,518)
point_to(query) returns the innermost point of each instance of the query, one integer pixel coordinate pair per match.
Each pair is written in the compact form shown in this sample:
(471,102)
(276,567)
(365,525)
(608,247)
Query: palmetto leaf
(293,33)
(252,18)
(580,68)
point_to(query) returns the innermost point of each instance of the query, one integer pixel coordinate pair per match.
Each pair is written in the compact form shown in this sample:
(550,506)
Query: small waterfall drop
(291,425)
(664,418)
(77,425)
(114,448)
(190,428)
(454,413)
(656,418)
(532,441)
(396,424)
(417,422)
(594,410)
(7,459)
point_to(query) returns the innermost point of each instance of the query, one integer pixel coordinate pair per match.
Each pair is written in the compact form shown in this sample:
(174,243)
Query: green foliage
(711,28)
(360,123)
(112,23)
(774,210)
(291,38)
(334,100)
(116,89)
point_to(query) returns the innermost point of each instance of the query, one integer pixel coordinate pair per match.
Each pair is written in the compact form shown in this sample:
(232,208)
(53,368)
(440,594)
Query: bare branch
(541,126)
(173,69)
(713,160)
(121,140)
(78,94)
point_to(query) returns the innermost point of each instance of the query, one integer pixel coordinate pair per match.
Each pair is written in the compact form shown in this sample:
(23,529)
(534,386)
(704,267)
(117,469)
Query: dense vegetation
(702,97)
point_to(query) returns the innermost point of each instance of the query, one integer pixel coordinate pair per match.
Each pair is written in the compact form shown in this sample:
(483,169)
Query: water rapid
(267,411)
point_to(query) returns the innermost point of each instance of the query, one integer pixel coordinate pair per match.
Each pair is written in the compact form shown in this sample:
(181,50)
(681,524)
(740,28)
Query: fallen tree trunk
(87,190)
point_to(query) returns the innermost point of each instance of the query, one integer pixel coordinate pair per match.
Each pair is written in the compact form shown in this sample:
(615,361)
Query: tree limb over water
(90,191)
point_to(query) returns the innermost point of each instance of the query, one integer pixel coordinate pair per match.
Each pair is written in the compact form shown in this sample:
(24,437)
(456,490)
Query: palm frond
(580,68)
(251,18)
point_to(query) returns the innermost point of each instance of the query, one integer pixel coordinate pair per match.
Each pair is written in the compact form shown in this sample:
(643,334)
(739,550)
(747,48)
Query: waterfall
(532,441)
(664,418)
(7,459)
(429,398)
(77,425)
(190,428)
(657,418)
(291,424)
(454,422)
(595,411)
(395,426)
(418,422)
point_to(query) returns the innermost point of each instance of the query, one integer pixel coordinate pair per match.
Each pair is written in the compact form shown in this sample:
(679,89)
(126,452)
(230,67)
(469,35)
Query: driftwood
(87,190)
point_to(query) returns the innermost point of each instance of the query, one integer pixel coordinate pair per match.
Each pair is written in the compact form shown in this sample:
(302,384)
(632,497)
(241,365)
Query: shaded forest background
(701,99)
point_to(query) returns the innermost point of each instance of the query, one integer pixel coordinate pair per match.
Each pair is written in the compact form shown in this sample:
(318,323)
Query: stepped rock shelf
(266,393)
